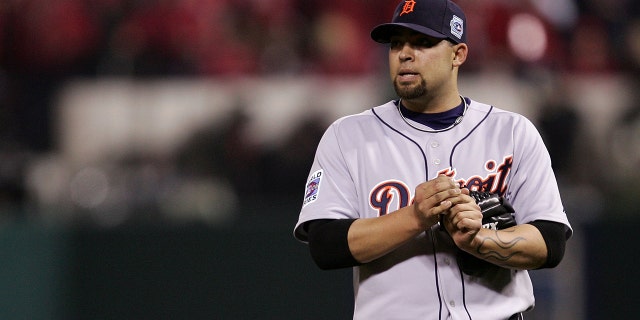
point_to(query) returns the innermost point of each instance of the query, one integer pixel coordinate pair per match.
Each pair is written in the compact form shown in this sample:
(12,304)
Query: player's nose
(406,52)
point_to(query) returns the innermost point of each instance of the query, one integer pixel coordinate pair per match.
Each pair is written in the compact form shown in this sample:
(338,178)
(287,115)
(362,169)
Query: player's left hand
(463,220)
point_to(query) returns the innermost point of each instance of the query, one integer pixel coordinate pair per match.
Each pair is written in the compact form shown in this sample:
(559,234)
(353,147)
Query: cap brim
(382,33)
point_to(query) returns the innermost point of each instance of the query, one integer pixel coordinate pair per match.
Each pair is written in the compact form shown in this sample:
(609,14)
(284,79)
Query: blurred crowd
(224,37)
(45,43)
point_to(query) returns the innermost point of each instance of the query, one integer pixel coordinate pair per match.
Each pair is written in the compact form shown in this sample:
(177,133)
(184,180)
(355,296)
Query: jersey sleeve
(534,191)
(330,190)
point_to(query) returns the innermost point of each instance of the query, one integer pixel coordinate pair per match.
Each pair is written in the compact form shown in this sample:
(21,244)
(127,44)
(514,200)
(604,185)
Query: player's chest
(422,158)
(387,172)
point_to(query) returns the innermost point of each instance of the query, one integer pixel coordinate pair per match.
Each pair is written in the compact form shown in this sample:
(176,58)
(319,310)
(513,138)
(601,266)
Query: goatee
(410,91)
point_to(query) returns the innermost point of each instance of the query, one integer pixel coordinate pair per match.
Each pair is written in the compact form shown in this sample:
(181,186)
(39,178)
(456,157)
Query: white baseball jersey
(369,164)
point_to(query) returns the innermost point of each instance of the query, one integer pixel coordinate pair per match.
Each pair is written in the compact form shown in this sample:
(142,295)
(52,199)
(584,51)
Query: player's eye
(421,42)
(427,42)
(395,44)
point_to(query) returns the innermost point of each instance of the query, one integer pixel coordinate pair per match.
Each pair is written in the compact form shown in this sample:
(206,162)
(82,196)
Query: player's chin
(408,92)
(410,89)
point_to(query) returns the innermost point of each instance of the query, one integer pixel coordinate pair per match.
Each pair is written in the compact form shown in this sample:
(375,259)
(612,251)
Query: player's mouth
(407,75)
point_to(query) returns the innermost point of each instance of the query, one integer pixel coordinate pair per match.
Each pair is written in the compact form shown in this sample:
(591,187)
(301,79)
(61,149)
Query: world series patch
(457,26)
(313,187)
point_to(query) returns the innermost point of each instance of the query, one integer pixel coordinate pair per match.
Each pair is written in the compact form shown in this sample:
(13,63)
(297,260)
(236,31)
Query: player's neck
(433,104)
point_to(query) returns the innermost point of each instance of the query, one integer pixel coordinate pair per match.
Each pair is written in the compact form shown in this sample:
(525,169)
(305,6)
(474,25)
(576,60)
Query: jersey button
(435,144)
(436,161)
(452,303)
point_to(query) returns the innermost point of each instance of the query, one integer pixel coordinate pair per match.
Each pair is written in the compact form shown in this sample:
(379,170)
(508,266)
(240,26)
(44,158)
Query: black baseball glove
(497,214)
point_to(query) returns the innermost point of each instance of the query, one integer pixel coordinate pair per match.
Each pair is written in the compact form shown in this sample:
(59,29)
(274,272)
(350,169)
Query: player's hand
(433,198)
(463,220)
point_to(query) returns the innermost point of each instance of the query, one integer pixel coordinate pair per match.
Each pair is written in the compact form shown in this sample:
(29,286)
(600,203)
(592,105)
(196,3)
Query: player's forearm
(519,247)
(372,238)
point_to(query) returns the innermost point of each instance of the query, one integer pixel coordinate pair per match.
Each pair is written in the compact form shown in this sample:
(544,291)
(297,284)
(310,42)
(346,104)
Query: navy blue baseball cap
(436,18)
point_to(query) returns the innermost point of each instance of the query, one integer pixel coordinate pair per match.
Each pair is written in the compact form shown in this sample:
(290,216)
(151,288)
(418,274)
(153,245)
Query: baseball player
(398,192)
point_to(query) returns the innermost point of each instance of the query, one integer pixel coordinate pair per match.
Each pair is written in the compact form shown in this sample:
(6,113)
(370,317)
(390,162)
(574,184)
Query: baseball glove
(497,214)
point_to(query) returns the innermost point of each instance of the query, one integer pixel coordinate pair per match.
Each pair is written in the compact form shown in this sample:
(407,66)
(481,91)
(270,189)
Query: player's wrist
(469,243)
(422,221)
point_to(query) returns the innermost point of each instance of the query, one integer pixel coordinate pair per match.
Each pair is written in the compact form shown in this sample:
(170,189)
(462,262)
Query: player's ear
(460,51)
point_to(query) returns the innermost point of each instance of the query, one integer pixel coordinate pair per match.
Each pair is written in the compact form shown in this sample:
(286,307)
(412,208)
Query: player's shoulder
(486,108)
(495,118)
(365,117)
(494,112)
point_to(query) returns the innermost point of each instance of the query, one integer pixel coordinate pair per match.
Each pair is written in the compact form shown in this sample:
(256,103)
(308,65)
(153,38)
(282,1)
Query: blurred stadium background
(153,152)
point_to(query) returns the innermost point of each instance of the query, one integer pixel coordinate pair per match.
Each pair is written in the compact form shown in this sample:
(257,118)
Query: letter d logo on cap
(408,7)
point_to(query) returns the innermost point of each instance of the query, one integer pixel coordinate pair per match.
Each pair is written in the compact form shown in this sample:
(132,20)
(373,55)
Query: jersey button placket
(434,148)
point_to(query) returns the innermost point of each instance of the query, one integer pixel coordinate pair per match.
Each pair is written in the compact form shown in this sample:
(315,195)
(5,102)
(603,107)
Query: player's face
(420,65)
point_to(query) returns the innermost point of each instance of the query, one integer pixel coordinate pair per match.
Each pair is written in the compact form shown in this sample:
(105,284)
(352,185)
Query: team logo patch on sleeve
(313,187)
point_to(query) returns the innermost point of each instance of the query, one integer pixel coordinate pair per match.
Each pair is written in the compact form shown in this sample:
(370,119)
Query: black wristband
(328,243)
(555,238)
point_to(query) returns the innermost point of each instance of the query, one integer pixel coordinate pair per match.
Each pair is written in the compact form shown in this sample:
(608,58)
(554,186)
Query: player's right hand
(432,199)
(464,220)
